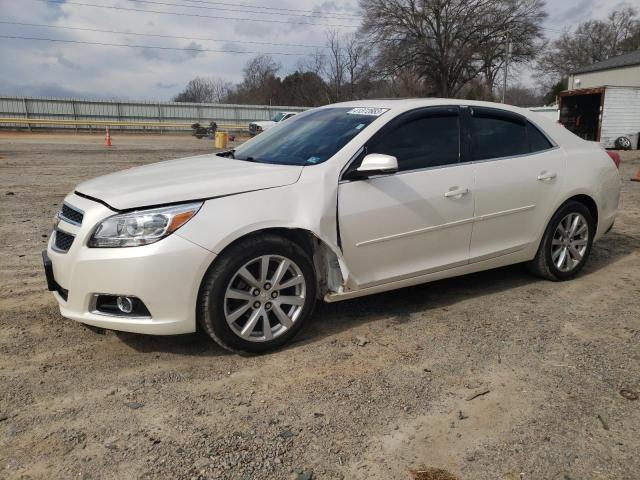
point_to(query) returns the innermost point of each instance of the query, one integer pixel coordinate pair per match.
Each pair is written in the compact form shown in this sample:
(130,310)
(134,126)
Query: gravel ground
(372,388)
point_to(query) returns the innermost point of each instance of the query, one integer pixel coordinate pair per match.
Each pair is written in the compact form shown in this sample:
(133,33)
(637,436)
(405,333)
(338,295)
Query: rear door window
(422,140)
(497,134)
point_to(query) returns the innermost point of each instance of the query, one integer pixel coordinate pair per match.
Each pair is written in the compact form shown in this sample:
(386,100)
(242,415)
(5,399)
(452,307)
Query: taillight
(615,156)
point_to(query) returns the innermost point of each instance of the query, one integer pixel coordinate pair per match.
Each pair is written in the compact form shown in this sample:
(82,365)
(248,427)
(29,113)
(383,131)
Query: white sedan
(338,202)
(258,127)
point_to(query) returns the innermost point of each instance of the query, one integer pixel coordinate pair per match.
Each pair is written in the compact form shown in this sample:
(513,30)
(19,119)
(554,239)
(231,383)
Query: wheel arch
(588,202)
(585,198)
(328,266)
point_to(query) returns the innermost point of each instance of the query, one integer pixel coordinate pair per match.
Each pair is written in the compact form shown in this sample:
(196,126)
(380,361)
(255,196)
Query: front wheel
(257,295)
(566,243)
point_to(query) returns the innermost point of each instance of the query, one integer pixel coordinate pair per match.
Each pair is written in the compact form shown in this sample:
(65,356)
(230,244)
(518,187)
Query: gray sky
(67,69)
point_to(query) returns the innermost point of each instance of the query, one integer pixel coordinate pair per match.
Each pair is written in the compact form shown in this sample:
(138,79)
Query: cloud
(45,90)
(192,52)
(65,62)
(42,68)
(579,11)
(166,86)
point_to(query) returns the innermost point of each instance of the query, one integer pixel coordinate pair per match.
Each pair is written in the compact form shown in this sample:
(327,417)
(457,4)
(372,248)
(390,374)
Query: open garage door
(581,112)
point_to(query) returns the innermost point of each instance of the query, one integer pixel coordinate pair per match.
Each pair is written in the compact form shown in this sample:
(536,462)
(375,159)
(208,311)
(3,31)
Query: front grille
(63,241)
(71,214)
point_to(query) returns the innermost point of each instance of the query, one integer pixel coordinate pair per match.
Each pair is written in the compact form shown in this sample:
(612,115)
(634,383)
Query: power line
(185,49)
(179,37)
(205,7)
(274,8)
(199,15)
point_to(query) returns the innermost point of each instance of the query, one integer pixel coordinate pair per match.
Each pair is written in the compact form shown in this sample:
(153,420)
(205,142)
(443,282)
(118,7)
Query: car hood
(193,178)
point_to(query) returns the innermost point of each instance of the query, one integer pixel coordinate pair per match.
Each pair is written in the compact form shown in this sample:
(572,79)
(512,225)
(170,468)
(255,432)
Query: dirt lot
(551,357)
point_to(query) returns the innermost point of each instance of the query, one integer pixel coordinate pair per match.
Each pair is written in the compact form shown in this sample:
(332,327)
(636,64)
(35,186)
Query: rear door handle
(456,192)
(544,175)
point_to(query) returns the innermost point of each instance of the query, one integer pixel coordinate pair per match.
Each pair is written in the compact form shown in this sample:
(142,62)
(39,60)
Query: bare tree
(356,63)
(335,65)
(257,70)
(220,89)
(441,41)
(205,90)
(314,63)
(591,42)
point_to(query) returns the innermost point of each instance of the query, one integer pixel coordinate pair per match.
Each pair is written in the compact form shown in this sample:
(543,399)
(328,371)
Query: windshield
(277,117)
(307,138)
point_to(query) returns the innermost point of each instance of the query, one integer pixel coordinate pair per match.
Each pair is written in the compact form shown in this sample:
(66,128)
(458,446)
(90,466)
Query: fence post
(75,113)
(119,114)
(160,117)
(26,112)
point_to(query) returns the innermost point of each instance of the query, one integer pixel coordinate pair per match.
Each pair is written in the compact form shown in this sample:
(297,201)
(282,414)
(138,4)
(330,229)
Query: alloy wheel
(264,298)
(570,241)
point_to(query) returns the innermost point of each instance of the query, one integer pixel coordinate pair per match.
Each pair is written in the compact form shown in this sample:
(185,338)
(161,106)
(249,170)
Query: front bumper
(165,275)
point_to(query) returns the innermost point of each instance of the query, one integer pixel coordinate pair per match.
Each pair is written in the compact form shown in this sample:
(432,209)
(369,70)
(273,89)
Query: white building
(602,102)
(621,71)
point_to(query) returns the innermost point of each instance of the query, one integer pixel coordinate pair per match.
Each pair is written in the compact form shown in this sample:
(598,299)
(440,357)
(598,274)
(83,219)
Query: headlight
(142,227)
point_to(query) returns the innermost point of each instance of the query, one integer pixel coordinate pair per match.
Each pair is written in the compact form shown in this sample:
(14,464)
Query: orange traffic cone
(637,177)
(107,139)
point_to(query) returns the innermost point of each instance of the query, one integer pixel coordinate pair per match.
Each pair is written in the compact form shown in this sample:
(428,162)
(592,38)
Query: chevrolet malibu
(338,202)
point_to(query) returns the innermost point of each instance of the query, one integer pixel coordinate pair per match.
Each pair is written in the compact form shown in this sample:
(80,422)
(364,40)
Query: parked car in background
(258,127)
(339,202)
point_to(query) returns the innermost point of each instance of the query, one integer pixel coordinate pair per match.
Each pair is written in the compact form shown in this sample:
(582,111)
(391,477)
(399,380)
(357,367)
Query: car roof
(403,104)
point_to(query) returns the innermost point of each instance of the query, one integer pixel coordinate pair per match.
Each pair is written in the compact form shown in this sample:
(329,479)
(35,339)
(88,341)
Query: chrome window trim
(529,154)
(93,309)
(403,172)
(68,220)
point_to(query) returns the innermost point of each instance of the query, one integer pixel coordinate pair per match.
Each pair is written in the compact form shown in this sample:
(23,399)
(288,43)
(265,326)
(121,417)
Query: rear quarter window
(538,142)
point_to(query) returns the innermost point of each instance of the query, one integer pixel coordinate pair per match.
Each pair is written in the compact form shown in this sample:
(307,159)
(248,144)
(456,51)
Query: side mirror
(377,163)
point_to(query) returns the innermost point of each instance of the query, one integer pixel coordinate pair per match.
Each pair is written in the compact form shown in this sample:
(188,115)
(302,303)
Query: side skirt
(495,262)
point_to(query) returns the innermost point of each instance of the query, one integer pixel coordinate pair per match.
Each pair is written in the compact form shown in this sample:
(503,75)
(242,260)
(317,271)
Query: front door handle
(544,175)
(456,192)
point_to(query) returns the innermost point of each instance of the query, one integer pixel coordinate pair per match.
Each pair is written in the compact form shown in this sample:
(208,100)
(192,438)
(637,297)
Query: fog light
(118,305)
(125,304)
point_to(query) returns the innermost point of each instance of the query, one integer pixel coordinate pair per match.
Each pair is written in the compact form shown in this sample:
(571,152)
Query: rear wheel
(566,243)
(257,295)
(623,143)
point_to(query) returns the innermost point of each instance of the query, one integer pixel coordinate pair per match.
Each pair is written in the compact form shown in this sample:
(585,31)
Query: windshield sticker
(313,159)
(360,127)
(370,111)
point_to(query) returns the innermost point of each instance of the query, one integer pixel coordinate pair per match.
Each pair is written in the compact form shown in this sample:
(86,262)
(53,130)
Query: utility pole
(506,67)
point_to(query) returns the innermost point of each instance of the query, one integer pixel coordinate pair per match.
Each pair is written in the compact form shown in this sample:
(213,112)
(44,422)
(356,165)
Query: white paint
(510,207)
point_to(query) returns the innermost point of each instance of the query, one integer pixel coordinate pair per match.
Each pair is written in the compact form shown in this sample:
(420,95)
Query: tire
(623,143)
(550,264)
(228,299)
